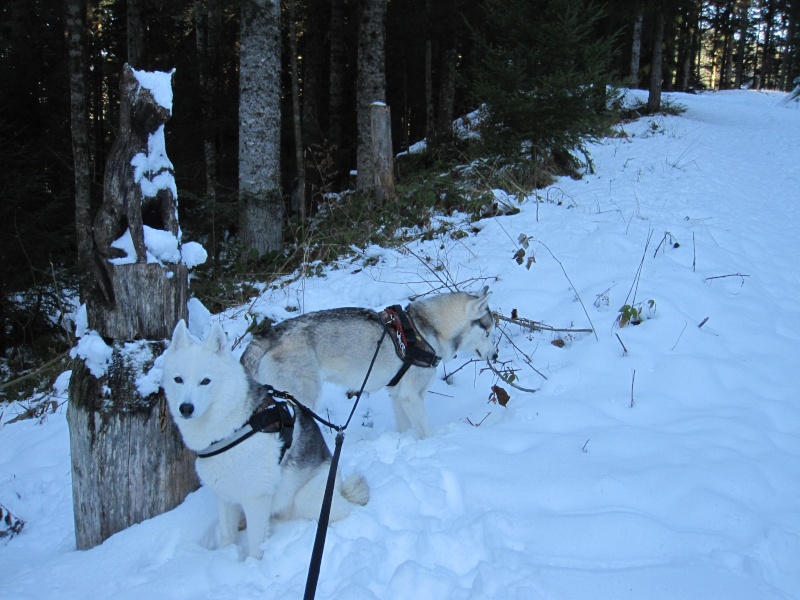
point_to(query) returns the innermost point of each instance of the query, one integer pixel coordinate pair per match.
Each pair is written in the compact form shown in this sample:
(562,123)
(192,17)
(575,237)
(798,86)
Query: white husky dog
(337,345)
(259,455)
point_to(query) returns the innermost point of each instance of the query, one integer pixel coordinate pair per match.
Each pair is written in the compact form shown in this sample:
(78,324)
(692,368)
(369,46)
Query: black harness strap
(410,346)
(270,416)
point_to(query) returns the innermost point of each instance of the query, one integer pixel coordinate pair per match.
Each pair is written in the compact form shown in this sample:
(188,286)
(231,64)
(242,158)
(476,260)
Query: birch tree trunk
(371,81)
(79,119)
(261,208)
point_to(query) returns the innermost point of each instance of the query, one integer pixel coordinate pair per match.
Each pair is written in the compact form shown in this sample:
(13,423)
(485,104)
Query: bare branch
(512,384)
(537,325)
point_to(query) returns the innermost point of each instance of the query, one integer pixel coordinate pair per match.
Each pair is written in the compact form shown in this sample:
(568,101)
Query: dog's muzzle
(186,409)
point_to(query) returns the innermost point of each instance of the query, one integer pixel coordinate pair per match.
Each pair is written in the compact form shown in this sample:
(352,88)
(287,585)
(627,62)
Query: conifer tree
(543,77)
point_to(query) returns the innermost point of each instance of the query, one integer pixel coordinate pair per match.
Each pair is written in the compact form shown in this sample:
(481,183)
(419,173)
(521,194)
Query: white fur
(247,477)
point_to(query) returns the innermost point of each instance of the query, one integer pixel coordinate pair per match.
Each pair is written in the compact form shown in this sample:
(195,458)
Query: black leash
(327,499)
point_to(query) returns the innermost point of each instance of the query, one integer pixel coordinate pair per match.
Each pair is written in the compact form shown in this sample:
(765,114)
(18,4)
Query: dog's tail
(355,489)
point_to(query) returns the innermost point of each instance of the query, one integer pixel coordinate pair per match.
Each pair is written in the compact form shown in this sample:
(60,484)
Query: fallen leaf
(499,395)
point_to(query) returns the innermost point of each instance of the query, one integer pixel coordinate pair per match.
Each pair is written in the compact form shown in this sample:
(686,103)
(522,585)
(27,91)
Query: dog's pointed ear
(217,341)
(480,303)
(180,336)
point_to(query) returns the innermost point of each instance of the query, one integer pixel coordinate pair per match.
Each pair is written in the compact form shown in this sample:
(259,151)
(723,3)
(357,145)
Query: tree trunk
(688,65)
(791,48)
(371,81)
(429,112)
(128,460)
(206,32)
(636,46)
(727,51)
(654,97)
(297,118)
(447,88)
(313,50)
(769,51)
(149,301)
(337,77)
(383,158)
(260,202)
(430,123)
(79,118)
(685,48)
(741,47)
(135,31)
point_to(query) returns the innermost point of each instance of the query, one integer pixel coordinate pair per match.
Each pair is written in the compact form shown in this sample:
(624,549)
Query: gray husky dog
(337,345)
(258,454)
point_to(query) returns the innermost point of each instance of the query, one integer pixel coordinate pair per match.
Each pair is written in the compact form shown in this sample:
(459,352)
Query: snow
(162,247)
(669,470)
(94,351)
(160,85)
(153,171)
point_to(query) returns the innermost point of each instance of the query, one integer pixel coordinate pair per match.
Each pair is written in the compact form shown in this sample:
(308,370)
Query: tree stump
(154,301)
(128,458)
(382,156)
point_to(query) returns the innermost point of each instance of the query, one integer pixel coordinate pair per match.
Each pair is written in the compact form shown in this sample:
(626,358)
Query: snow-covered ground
(669,471)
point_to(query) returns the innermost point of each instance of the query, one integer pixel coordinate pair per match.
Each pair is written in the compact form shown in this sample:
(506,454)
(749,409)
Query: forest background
(540,70)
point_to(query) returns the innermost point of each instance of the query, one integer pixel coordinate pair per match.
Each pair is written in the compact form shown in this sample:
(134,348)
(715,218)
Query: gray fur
(337,345)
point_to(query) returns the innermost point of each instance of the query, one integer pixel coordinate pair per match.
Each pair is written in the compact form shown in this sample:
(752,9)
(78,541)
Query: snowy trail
(680,482)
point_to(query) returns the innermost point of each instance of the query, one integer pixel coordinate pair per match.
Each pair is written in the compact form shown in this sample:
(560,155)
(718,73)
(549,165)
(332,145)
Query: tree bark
(447,89)
(769,51)
(149,300)
(260,202)
(636,45)
(429,112)
(654,96)
(338,69)
(371,81)
(125,206)
(316,20)
(297,117)
(135,32)
(383,158)
(128,460)
(79,119)
(206,30)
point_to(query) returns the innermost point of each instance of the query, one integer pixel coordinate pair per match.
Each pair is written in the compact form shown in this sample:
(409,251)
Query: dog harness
(271,416)
(410,346)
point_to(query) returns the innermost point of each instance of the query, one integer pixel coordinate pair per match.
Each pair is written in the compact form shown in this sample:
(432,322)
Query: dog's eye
(179,380)
(205,381)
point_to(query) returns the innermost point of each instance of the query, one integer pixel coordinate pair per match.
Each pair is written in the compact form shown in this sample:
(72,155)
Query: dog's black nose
(186,409)
(494,356)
